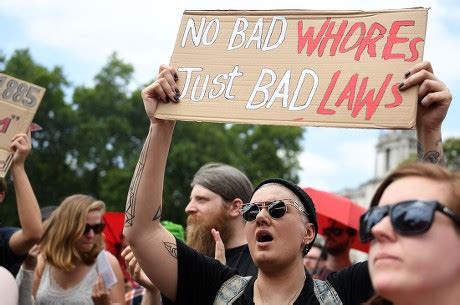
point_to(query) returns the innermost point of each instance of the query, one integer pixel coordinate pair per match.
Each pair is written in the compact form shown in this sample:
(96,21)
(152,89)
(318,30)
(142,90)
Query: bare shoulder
(110,256)
(114,263)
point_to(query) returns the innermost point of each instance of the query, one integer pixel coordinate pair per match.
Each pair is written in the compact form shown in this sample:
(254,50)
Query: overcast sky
(80,35)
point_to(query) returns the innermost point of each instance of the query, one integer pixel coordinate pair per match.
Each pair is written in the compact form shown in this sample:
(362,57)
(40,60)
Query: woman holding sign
(280,221)
(67,271)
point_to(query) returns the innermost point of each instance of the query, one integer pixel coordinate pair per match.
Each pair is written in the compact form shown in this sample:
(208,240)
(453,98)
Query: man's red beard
(199,235)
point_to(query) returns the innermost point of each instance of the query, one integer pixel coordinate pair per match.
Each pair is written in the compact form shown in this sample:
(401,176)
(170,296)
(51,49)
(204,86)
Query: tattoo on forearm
(131,201)
(432,156)
(157,214)
(171,248)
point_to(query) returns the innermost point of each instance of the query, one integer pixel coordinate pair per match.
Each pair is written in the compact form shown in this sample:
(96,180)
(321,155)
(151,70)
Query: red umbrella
(341,209)
(114,222)
(113,238)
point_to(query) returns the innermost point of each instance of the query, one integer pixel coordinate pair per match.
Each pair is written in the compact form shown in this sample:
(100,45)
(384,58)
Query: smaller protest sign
(19,101)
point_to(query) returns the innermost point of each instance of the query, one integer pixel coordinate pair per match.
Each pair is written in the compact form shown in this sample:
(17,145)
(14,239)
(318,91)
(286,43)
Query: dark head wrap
(305,200)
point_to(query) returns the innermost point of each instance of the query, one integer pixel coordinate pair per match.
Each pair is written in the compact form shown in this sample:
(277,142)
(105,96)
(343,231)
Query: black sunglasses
(276,208)
(97,228)
(409,218)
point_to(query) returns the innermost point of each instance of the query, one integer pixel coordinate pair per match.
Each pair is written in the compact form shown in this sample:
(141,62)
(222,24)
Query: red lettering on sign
(369,41)
(369,101)
(336,38)
(308,36)
(366,39)
(413,49)
(348,93)
(322,106)
(356,101)
(397,96)
(354,27)
(393,39)
(5,123)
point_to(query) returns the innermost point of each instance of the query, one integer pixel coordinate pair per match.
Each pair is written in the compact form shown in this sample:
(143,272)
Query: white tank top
(50,293)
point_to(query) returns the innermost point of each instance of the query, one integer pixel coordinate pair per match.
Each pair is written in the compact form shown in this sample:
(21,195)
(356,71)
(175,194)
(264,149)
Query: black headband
(303,197)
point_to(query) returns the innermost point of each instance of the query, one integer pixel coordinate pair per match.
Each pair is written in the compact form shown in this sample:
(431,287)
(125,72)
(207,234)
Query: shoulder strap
(231,290)
(325,293)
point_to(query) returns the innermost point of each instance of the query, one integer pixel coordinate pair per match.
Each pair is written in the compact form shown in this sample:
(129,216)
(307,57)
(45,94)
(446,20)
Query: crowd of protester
(243,244)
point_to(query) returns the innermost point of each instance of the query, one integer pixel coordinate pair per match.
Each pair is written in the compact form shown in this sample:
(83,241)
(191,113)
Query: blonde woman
(66,272)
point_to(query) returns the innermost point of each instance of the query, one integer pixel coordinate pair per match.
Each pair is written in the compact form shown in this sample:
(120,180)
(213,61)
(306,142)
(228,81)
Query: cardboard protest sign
(19,101)
(290,67)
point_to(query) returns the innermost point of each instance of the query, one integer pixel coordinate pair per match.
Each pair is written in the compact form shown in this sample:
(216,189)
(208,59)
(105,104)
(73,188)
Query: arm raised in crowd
(434,99)
(154,247)
(28,210)
(151,296)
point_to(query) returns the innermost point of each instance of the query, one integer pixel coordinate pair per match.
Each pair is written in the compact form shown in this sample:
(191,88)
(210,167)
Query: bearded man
(218,190)
(339,239)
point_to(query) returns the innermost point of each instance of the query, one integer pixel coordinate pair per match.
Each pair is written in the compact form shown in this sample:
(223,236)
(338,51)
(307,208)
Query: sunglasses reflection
(276,208)
(408,218)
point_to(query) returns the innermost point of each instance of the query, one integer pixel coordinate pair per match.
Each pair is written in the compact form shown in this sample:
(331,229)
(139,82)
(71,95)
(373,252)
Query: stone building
(392,148)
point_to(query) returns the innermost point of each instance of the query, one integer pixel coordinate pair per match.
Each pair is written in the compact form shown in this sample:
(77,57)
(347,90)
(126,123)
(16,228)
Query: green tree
(91,144)
(49,167)
(267,151)
(259,151)
(108,121)
(452,153)
(113,125)
(451,149)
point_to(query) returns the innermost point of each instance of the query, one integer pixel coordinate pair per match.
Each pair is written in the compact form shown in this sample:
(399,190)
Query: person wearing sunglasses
(280,227)
(280,232)
(413,226)
(66,270)
(338,241)
(280,220)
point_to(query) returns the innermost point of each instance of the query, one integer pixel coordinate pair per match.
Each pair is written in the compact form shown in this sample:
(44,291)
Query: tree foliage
(259,151)
(91,143)
(451,149)
(48,168)
(452,152)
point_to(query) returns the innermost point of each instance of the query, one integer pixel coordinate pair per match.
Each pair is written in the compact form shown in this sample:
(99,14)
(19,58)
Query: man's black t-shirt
(240,259)
(200,277)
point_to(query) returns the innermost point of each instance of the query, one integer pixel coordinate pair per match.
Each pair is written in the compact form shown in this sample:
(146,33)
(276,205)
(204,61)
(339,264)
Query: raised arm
(28,210)
(154,247)
(433,102)
(152,295)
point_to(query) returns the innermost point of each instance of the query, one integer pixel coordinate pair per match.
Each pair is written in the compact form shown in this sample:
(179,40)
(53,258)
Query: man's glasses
(409,218)
(97,228)
(276,208)
(333,231)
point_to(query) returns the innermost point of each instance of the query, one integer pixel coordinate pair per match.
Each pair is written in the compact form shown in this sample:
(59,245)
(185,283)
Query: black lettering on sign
(15,91)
